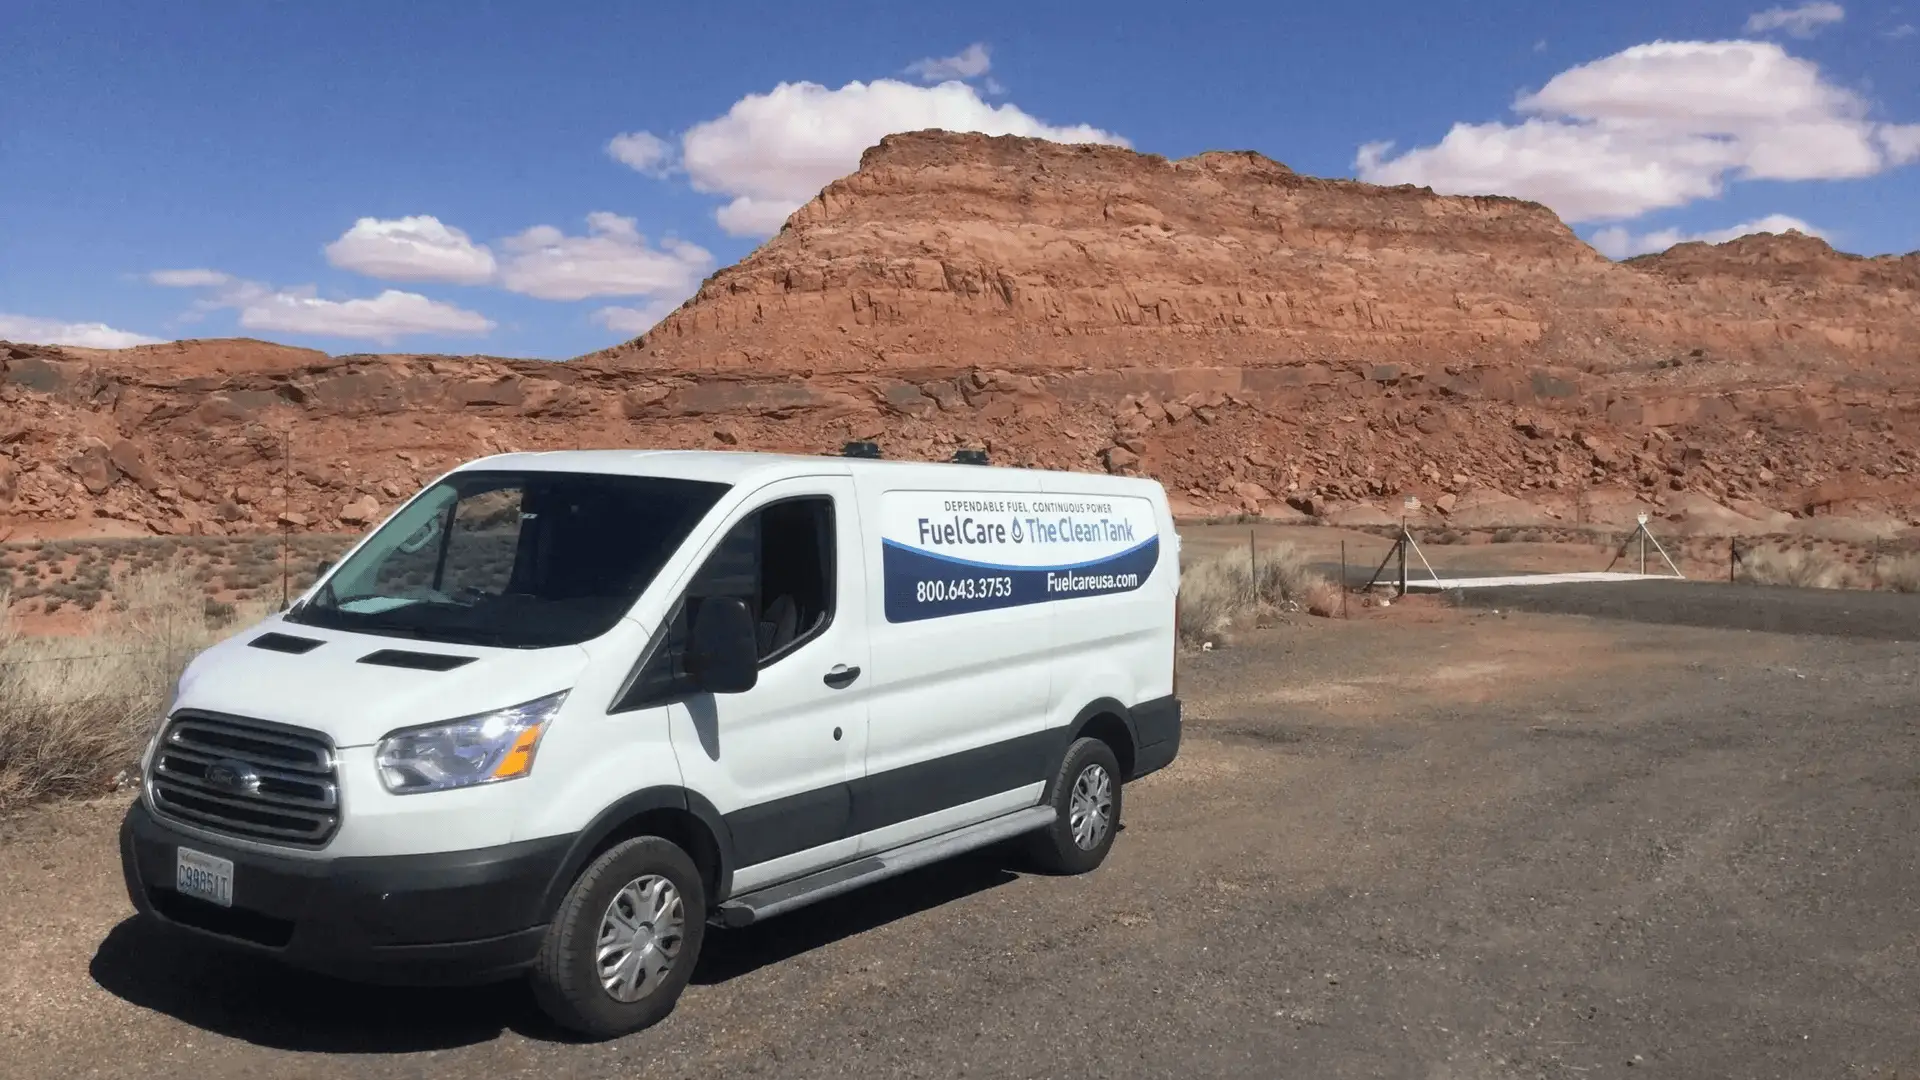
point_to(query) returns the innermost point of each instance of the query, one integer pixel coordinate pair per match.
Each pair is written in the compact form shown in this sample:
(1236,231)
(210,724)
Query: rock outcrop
(1254,338)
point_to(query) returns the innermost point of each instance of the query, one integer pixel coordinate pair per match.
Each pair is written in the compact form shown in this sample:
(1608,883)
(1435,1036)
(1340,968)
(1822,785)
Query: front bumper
(446,918)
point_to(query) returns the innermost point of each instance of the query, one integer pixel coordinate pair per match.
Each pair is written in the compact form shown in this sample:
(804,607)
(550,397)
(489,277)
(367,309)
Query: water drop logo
(1017,537)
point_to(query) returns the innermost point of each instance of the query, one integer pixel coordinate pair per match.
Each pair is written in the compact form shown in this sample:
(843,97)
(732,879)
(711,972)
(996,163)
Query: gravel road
(1438,843)
(1852,613)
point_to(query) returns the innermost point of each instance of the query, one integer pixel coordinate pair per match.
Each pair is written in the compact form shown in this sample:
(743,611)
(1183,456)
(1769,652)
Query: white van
(563,710)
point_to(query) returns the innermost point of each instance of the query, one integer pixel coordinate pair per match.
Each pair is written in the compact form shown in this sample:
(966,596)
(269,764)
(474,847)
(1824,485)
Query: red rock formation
(1246,334)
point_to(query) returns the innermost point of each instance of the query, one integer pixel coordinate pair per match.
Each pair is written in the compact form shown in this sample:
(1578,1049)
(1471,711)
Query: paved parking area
(1447,843)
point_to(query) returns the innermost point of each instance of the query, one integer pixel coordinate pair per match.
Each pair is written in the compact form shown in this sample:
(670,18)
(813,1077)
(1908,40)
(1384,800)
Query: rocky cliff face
(1254,338)
(948,249)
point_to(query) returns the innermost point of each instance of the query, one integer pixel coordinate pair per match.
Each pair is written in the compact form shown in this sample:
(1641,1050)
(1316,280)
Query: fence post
(1344,587)
(1253,562)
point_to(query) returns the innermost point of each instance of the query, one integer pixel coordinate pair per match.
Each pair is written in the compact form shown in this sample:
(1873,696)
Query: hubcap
(1091,810)
(640,936)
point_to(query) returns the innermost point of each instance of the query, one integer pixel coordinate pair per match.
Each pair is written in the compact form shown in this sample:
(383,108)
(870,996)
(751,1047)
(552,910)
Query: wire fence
(6,661)
(1827,558)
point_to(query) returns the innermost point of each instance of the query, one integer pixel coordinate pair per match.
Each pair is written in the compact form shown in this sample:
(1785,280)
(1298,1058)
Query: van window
(780,561)
(520,560)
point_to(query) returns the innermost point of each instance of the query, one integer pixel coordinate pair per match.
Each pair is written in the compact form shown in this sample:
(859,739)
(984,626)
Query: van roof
(736,466)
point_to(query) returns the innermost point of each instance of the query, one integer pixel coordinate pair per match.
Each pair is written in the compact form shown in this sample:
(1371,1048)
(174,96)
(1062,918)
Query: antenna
(1402,544)
(286,509)
(1644,535)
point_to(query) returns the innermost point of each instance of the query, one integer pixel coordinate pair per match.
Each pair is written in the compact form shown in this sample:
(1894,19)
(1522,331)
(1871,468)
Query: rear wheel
(1085,796)
(623,944)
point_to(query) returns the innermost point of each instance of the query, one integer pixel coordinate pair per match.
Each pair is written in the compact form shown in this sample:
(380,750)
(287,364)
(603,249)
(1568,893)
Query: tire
(566,978)
(1055,849)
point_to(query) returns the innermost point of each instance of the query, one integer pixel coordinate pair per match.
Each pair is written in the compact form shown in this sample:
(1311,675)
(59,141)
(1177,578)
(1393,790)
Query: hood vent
(285,643)
(418,661)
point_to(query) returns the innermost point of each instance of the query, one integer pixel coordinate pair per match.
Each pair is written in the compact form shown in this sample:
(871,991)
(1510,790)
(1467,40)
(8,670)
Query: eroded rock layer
(1256,339)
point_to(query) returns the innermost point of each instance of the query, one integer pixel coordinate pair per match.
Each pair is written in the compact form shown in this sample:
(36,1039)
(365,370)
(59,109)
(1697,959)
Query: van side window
(780,561)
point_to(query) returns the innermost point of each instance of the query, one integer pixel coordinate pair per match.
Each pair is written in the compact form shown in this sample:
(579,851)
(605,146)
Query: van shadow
(730,954)
(258,1001)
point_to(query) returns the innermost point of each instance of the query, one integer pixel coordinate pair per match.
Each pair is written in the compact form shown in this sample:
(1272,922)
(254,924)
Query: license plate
(196,873)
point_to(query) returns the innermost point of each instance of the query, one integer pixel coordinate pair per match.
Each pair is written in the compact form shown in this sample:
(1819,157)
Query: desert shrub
(76,711)
(1901,574)
(1792,566)
(1505,536)
(1221,591)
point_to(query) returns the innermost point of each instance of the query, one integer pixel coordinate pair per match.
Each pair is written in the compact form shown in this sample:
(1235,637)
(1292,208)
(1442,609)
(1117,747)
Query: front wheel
(623,944)
(1085,796)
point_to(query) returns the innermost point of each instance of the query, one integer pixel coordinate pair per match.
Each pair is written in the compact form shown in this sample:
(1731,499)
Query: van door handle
(841,676)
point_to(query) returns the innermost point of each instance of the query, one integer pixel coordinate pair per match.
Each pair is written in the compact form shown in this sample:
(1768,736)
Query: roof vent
(861,450)
(969,457)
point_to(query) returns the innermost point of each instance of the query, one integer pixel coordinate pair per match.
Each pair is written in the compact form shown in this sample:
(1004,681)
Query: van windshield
(517,560)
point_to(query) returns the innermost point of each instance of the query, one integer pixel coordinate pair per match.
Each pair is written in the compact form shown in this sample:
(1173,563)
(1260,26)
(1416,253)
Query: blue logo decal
(922,585)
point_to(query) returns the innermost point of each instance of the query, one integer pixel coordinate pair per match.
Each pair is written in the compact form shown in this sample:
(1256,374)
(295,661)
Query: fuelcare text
(960,531)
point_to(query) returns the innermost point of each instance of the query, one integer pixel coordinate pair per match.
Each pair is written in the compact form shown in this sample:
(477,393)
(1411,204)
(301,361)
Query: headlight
(481,749)
(160,727)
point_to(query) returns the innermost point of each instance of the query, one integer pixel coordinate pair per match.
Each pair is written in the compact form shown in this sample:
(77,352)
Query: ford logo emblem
(235,776)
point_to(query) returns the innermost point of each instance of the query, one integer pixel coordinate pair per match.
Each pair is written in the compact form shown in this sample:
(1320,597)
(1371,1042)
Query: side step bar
(777,899)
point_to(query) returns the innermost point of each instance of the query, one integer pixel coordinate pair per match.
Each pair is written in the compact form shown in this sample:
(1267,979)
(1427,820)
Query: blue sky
(182,169)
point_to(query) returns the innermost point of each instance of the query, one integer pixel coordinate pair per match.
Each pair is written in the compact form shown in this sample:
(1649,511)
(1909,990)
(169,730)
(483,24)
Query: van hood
(357,688)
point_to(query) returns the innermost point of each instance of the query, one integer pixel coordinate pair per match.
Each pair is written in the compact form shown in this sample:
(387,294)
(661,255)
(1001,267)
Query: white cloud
(418,248)
(29,330)
(1616,242)
(634,321)
(969,63)
(1904,30)
(301,310)
(1803,21)
(642,151)
(219,289)
(1902,141)
(1655,126)
(383,318)
(189,279)
(748,216)
(613,259)
(772,152)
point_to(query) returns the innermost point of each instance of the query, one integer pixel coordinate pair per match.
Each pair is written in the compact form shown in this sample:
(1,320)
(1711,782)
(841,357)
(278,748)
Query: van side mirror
(320,569)
(723,652)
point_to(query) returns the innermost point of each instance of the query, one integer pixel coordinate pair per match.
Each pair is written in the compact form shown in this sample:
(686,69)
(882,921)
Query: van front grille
(247,778)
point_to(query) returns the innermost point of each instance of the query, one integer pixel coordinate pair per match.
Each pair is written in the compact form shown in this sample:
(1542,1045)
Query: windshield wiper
(325,598)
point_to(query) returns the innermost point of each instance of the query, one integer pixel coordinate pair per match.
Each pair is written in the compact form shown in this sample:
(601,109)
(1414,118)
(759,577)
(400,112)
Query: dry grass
(1901,574)
(76,711)
(1225,590)
(64,576)
(1796,567)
